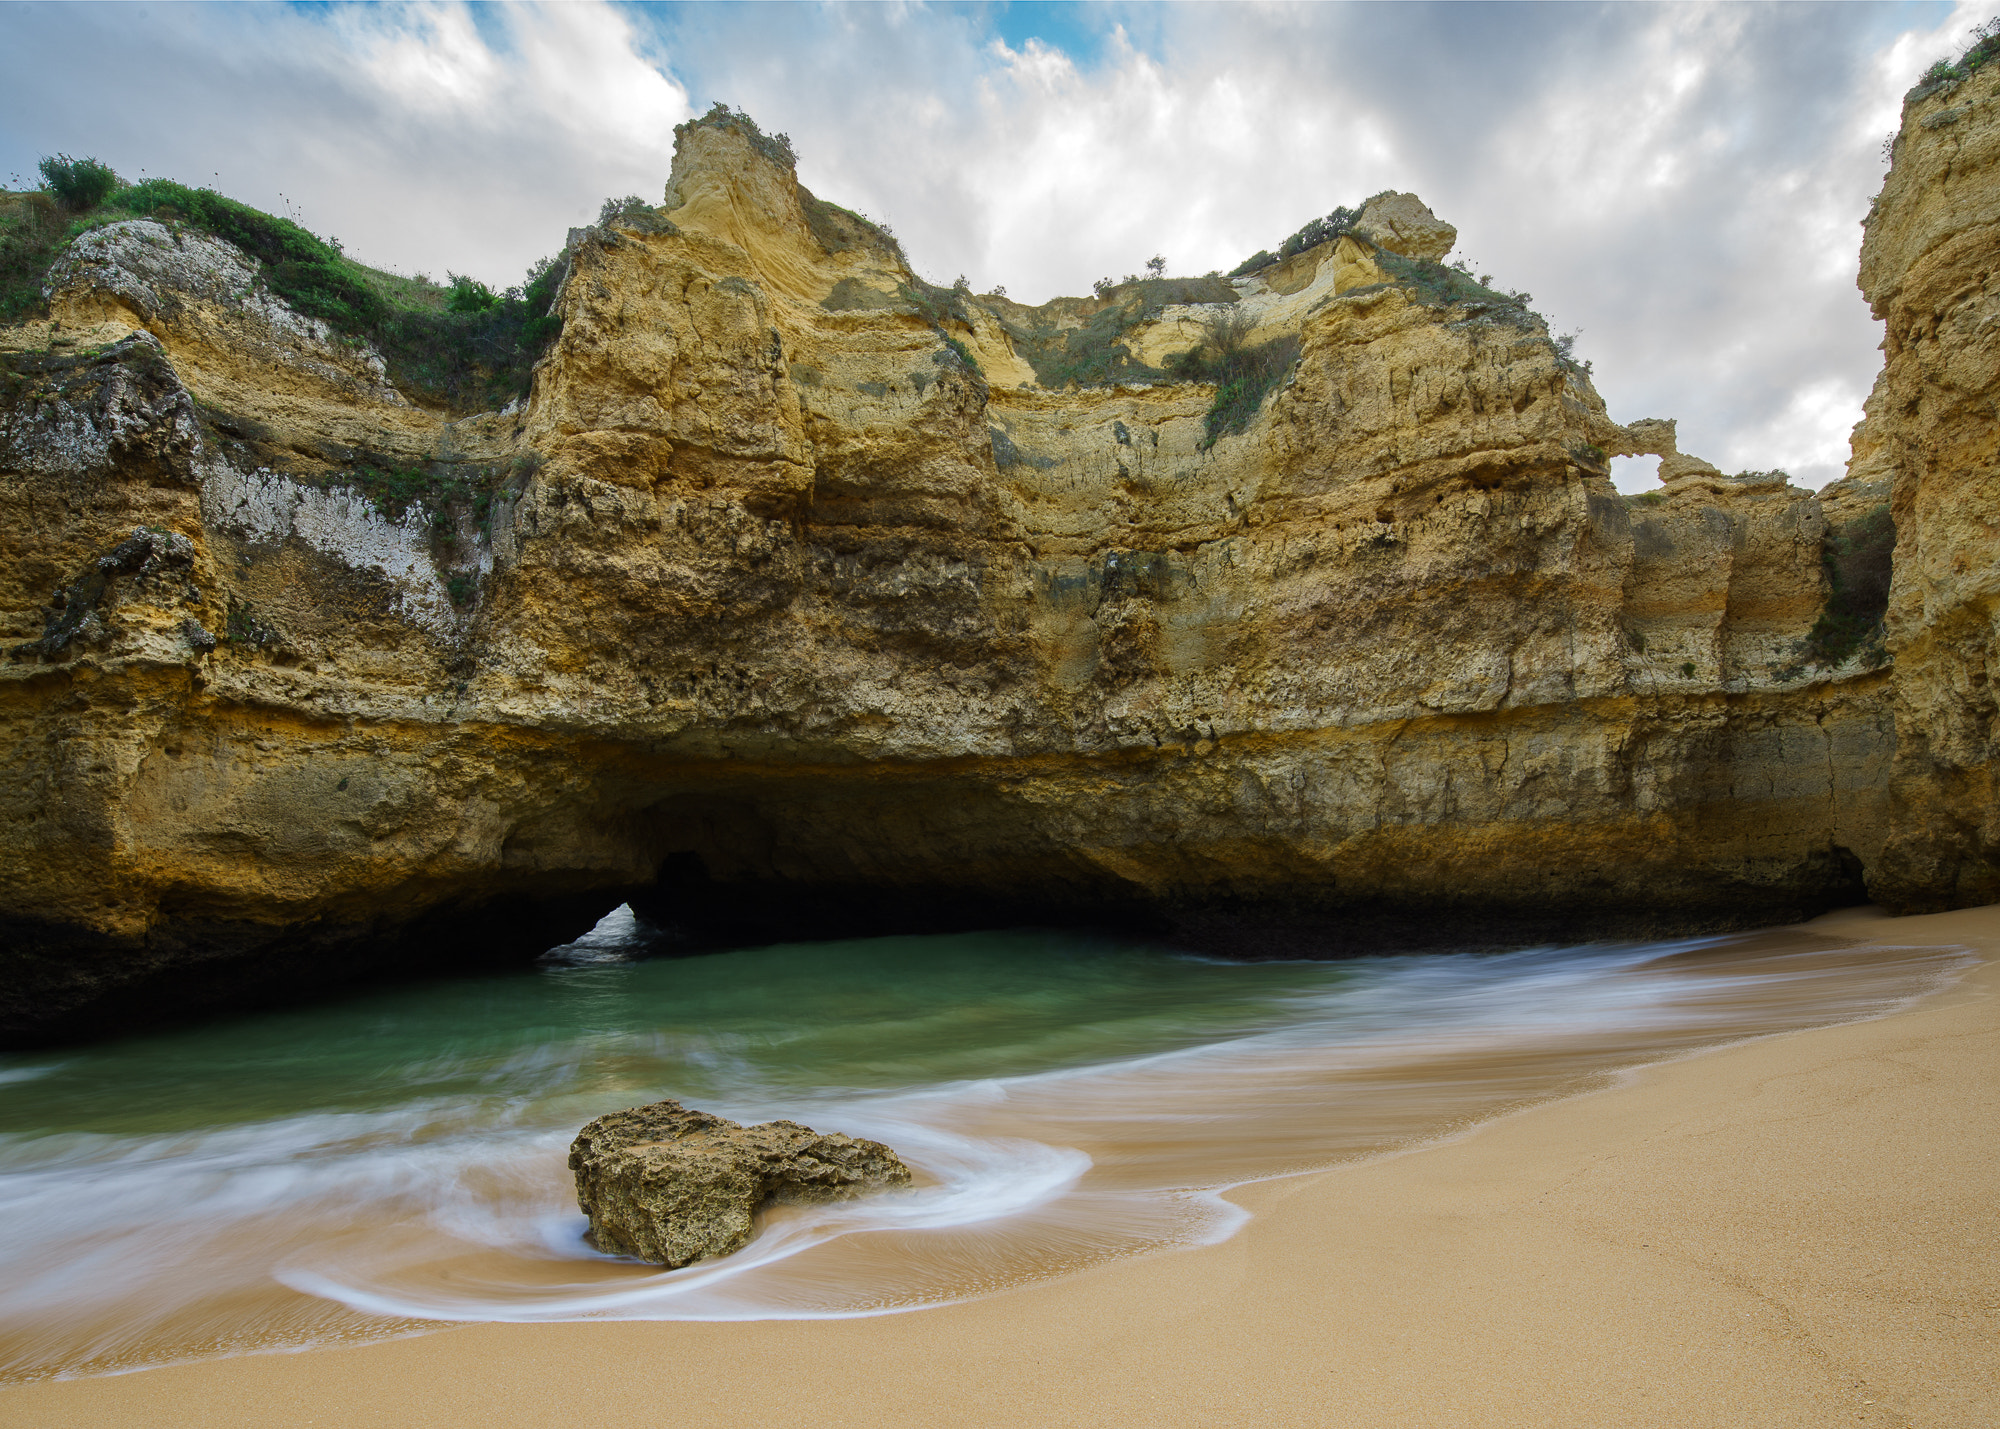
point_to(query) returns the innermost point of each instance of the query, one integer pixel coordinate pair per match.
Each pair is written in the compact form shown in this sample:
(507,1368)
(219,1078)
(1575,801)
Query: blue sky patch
(1077,30)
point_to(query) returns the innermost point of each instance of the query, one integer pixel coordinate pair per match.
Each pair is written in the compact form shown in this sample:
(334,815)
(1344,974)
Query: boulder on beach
(667,1184)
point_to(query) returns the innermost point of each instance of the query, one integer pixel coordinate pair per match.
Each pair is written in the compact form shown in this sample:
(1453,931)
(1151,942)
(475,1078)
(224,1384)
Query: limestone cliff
(803,596)
(1930,267)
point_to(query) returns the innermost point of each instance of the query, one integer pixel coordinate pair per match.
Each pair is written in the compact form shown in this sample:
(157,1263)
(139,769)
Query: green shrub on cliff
(775,147)
(1159,293)
(840,229)
(1448,285)
(616,208)
(1243,375)
(468,295)
(1311,234)
(1983,51)
(265,237)
(1857,558)
(78,184)
(30,233)
(1319,230)
(463,346)
(1094,353)
(938,306)
(935,305)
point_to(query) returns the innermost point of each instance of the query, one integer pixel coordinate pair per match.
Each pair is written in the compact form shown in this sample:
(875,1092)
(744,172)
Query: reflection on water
(377,1165)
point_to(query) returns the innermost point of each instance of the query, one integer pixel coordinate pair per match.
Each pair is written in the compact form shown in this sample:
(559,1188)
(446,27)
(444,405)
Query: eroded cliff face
(1930,267)
(794,601)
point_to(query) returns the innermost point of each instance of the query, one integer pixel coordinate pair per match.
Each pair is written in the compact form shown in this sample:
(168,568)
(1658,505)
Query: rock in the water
(667,1184)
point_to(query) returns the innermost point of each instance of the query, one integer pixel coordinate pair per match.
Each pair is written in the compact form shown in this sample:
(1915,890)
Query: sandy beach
(1799,1230)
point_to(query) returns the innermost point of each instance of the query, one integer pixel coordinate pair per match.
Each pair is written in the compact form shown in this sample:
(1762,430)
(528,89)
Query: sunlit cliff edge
(801,596)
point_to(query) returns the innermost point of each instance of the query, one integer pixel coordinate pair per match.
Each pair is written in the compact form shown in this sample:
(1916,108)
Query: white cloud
(1807,436)
(1632,474)
(422,139)
(432,62)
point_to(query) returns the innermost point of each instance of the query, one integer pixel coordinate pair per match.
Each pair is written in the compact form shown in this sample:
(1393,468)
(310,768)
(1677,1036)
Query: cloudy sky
(1682,184)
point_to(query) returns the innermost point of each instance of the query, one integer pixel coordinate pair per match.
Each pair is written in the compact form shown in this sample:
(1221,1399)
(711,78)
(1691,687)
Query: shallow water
(374,1166)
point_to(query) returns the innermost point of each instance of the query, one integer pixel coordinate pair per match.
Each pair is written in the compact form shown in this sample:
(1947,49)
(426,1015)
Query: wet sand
(1800,1230)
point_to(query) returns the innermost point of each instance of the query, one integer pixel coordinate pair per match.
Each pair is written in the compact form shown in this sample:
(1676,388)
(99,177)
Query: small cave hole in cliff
(618,937)
(1635,474)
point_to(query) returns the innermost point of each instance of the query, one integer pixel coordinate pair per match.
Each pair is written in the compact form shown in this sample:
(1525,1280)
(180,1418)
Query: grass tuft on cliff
(938,306)
(1451,285)
(1095,353)
(1857,558)
(1434,284)
(840,229)
(1243,374)
(460,346)
(1314,232)
(32,232)
(1983,50)
(775,147)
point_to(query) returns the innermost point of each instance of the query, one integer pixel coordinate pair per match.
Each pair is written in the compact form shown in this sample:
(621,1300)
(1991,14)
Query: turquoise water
(395,1159)
(767,1023)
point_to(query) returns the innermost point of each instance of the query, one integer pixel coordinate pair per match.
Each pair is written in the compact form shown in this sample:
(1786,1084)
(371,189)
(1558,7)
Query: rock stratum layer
(666,1184)
(803,597)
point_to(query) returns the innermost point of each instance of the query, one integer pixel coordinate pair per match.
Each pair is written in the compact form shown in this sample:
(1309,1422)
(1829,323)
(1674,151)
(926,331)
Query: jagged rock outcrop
(805,597)
(1930,268)
(669,1185)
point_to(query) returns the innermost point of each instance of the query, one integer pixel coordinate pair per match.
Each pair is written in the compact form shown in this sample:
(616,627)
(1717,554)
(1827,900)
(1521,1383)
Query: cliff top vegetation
(1311,234)
(458,345)
(462,346)
(775,147)
(1983,50)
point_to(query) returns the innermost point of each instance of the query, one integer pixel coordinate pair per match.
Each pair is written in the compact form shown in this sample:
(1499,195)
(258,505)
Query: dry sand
(1802,1230)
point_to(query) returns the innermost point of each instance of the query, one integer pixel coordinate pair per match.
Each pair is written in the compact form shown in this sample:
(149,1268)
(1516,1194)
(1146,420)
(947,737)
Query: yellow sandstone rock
(670,1185)
(814,598)
(1928,269)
